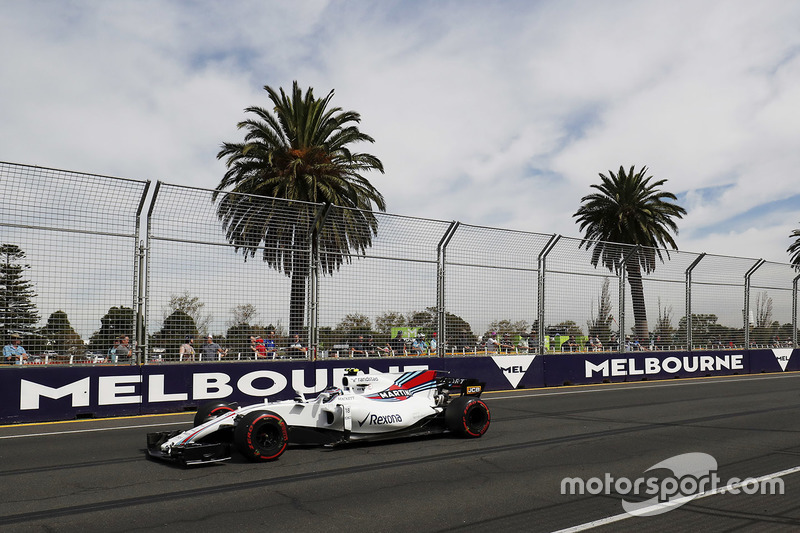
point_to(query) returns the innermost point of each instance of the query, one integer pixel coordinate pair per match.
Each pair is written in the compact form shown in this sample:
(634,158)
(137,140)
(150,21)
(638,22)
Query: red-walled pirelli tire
(467,416)
(261,436)
(210,410)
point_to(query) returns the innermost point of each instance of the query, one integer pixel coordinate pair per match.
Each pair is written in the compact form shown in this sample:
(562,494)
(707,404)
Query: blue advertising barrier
(636,366)
(41,393)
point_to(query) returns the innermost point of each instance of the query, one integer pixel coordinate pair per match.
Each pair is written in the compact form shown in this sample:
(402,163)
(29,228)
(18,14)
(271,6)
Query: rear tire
(261,436)
(467,416)
(210,410)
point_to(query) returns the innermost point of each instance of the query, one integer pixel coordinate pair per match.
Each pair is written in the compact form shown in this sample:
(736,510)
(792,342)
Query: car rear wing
(460,386)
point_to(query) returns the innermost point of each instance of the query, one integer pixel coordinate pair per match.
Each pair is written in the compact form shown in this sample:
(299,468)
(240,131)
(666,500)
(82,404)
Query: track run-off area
(92,475)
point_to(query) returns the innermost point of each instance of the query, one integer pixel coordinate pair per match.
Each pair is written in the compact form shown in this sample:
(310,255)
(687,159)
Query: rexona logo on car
(375,420)
(513,367)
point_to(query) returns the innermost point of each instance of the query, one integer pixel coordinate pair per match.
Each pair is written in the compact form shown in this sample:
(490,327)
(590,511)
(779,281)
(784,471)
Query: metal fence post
(138,269)
(623,273)
(140,334)
(746,317)
(541,265)
(313,318)
(441,250)
(689,299)
(794,310)
(148,245)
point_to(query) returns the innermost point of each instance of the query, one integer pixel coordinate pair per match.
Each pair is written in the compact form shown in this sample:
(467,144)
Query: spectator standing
(257,345)
(186,352)
(296,347)
(211,351)
(124,350)
(571,344)
(358,348)
(505,344)
(13,352)
(433,344)
(398,344)
(594,344)
(522,344)
(632,345)
(613,343)
(112,352)
(492,344)
(419,346)
(269,344)
(533,341)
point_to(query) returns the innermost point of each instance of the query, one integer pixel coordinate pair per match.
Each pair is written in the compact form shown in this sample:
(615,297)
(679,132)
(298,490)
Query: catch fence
(76,273)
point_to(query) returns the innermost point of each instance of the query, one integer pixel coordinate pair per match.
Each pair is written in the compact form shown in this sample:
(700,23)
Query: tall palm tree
(298,151)
(629,209)
(794,249)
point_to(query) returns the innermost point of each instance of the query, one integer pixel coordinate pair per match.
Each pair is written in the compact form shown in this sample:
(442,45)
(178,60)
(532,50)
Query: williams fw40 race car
(366,407)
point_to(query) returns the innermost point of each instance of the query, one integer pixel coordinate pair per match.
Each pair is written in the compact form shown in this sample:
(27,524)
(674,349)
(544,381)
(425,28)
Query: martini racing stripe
(423,375)
(408,384)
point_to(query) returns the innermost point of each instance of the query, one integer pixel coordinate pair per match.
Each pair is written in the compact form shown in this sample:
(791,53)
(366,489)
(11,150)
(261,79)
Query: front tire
(467,416)
(261,436)
(210,410)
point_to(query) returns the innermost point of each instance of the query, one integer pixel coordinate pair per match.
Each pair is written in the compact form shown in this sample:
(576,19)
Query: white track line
(87,430)
(680,501)
(636,385)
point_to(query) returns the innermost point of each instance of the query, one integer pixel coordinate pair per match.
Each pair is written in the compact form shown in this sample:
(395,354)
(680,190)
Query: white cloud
(499,114)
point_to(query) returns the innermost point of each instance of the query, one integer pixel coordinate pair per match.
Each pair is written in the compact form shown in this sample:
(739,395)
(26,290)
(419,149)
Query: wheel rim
(267,436)
(476,418)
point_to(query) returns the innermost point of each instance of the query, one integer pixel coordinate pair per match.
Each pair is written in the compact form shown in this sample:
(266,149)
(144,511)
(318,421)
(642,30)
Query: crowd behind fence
(269,278)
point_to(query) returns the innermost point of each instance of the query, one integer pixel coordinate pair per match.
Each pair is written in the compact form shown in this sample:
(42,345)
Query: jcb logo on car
(474,389)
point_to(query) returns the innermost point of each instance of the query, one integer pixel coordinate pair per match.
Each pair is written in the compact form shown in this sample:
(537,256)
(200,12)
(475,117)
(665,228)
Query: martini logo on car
(398,393)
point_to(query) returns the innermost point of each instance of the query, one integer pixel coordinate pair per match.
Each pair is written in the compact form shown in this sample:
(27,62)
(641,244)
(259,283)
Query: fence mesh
(224,266)
(68,278)
(491,289)
(311,280)
(381,289)
(771,302)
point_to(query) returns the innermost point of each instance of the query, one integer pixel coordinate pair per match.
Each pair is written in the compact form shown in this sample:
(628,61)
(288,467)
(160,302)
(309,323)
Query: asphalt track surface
(92,475)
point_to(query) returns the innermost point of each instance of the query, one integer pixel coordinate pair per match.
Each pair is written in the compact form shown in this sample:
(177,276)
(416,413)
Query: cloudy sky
(491,113)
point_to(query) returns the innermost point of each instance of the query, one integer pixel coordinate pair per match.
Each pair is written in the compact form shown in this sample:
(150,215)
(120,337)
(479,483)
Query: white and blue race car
(366,407)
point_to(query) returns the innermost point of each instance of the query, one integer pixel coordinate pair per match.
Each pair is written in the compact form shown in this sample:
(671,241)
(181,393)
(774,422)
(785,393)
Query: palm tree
(794,249)
(629,209)
(299,151)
